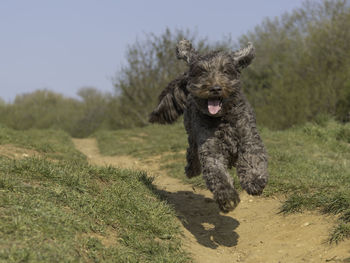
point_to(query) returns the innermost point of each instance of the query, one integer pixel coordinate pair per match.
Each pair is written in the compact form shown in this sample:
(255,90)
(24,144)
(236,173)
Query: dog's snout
(216,89)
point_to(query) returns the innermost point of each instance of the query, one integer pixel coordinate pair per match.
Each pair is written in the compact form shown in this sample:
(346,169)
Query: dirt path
(253,233)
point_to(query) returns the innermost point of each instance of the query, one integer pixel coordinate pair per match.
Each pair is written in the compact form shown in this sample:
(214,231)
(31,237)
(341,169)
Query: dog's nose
(215,89)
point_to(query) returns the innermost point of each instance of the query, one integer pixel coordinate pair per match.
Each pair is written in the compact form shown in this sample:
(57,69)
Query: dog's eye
(197,70)
(227,70)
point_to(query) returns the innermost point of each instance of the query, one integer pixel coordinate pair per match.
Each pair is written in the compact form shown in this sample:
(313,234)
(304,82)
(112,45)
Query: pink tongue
(214,106)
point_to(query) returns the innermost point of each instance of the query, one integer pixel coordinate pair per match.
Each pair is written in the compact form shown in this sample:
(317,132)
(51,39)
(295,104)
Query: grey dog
(219,121)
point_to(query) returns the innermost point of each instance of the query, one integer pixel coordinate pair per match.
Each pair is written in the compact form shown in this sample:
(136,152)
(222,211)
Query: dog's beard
(214,106)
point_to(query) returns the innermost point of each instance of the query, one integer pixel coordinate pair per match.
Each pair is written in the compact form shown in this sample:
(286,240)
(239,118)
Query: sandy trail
(253,233)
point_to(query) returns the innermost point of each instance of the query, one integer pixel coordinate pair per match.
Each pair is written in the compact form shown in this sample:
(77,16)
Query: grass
(142,142)
(69,211)
(310,164)
(167,142)
(53,144)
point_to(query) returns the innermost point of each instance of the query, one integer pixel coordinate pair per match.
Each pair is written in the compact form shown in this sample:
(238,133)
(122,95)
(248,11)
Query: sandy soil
(253,233)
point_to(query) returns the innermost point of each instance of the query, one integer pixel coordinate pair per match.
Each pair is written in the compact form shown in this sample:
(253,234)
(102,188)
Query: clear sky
(63,45)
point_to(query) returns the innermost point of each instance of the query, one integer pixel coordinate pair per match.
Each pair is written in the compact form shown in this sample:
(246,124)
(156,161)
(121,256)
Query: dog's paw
(255,187)
(227,200)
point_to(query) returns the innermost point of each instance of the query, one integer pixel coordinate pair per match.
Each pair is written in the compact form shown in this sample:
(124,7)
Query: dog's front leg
(252,171)
(218,180)
(252,157)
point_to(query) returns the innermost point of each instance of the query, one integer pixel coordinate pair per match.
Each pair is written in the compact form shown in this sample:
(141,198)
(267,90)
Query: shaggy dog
(219,121)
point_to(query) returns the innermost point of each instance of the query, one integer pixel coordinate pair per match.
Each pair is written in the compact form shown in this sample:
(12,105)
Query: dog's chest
(218,132)
(225,134)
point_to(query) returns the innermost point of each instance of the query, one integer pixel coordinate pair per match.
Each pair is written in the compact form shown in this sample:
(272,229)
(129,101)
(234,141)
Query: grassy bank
(308,164)
(51,143)
(64,210)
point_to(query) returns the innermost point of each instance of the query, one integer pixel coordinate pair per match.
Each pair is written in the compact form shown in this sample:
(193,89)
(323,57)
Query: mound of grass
(55,144)
(69,211)
(168,142)
(57,208)
(308,164)
(143,142)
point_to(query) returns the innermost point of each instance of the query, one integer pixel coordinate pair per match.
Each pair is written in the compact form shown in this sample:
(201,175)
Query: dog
(219,121)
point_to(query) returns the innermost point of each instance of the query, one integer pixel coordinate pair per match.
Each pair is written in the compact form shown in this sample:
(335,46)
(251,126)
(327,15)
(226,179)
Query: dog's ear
(172,102)
(185,51)
(244,56)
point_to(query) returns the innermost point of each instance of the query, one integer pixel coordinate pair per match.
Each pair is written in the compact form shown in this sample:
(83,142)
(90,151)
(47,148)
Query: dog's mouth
(214,106)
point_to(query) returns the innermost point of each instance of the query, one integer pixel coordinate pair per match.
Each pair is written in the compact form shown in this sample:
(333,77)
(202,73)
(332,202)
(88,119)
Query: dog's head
(214,78)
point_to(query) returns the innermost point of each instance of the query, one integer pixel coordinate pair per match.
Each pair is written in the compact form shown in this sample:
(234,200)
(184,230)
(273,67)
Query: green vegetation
(54,207)
(151,65)
(302,65)
(68,211)
(300,74)
(54,144)
(143,142)
(308,164)
(167,142)
(45,109)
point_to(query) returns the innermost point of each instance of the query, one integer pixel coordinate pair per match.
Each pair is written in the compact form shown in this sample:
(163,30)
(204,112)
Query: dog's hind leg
(219,181)
(193,167)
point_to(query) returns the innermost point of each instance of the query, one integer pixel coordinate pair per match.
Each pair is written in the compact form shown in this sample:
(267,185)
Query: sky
(64,45)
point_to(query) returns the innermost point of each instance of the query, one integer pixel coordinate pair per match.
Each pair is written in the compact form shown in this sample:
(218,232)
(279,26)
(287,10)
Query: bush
(43,109)
(151,65)
(302,65)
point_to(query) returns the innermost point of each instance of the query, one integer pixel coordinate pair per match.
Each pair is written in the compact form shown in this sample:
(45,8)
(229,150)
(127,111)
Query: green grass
(54,144)
(142,142)
(60,212)
(169,142)
(310,164)
(68,211)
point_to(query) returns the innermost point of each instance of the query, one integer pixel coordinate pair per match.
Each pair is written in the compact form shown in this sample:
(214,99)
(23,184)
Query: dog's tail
(172,102)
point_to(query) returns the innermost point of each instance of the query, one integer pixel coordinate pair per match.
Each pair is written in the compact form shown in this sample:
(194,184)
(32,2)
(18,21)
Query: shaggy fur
(219,121)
